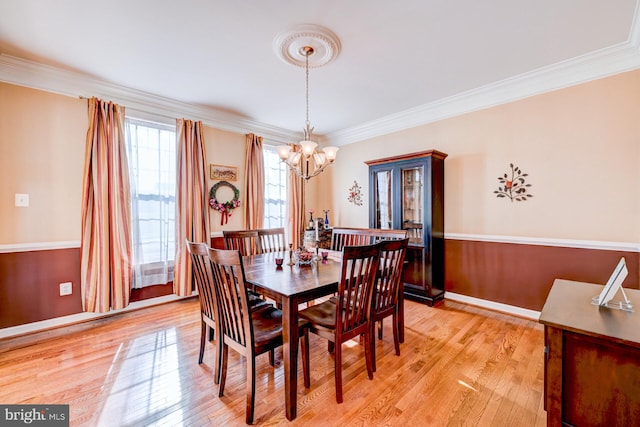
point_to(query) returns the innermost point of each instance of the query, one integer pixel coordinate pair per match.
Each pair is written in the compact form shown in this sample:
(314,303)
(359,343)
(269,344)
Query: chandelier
(307,161)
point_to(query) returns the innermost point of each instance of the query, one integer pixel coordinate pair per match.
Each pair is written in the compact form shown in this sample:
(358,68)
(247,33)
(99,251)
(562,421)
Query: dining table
(290,285)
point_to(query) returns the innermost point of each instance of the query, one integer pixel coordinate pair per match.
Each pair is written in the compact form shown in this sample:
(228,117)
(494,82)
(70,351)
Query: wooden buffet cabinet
(592,358)
(407,192)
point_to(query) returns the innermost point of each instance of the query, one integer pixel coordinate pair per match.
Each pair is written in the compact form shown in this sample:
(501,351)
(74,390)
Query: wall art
(355,194)
(513,185)
(221,172)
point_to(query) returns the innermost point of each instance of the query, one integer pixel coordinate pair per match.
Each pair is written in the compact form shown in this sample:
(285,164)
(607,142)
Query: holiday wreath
(224,208)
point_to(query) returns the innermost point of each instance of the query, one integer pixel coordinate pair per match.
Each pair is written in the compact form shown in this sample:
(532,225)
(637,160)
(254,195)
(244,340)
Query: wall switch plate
(22,200)
(66,288)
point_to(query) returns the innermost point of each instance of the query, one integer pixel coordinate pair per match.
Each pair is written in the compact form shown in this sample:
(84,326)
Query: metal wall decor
(355,194)
(513,186)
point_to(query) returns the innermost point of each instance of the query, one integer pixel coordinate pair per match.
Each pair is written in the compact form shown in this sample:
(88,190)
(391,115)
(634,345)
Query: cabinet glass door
(412,203)
(383,204)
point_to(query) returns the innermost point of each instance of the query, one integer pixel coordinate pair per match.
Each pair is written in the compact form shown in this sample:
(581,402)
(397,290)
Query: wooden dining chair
(245,241)
(201,270)
(249,333)
(386,295)
(202,275)
(272,239)
(341,237)
(349,314)
(378,234)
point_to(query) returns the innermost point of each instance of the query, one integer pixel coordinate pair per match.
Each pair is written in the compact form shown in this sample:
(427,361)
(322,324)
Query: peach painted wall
(42,142)
(226,148)
(579,145)
(42,146)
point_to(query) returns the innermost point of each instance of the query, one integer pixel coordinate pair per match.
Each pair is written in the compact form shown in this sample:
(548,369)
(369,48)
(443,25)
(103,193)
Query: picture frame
(614,283)
(223,172)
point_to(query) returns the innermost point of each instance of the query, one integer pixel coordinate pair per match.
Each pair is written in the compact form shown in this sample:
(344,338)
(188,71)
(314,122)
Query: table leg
(290,338)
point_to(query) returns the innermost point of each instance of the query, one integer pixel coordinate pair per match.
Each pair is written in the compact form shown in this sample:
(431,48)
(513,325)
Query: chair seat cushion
(267,325)
(323,314)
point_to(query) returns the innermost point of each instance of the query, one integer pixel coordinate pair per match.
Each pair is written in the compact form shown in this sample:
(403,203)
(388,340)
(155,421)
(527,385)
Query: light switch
(22,200)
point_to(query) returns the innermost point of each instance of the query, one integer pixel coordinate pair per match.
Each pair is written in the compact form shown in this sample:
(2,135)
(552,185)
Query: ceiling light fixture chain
(306,162)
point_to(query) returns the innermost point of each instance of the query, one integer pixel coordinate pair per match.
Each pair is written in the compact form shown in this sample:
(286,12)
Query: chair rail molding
(545,241)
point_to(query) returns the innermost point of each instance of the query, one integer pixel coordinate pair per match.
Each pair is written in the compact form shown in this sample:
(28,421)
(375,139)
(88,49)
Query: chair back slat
(245,241)
(342,237)
(229,282)
(201,269)
(272,239)
(392,255)
(355,290)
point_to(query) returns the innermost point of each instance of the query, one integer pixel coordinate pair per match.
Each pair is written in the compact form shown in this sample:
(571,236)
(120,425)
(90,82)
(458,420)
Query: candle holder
(291,263)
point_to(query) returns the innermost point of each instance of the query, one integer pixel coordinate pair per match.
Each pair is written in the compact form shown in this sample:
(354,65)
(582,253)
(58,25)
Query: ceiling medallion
(289,46)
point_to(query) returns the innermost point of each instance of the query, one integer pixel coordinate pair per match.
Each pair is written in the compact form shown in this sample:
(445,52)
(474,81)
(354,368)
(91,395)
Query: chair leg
(338,372)
(330,346)
(203,335)
(272,357)
(380,330)
(400,323)
(304,342)
(218,359)
(367,355)
(372,345)
(396,334)
(223,369)
(251,386)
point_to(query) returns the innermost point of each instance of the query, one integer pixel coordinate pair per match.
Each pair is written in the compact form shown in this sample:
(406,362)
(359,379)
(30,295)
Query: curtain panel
(296,206)
(106,251)
(192,207)
(254,183)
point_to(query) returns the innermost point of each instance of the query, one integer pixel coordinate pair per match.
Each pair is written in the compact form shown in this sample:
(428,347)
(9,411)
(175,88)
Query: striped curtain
(192,207)
(254,183)
(106,252)
(296,206)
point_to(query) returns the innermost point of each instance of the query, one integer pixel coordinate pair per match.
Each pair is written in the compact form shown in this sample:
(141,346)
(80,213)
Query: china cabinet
(407,192)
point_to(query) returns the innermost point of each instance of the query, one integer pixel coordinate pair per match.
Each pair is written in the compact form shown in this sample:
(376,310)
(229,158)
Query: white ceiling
(400,59)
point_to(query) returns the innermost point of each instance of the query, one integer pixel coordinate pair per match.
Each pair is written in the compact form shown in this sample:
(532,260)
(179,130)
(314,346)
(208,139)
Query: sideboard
(592,358)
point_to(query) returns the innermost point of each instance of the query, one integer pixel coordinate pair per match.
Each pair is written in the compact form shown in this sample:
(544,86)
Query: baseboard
(491,305)
(83,317)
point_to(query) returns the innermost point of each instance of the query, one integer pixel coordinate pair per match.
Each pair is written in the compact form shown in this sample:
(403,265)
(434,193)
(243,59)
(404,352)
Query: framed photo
(223,173)
(614,283)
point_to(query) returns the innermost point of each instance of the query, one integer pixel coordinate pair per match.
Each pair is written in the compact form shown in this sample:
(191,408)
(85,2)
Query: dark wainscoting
(29,285)
(521,275)
(515,274)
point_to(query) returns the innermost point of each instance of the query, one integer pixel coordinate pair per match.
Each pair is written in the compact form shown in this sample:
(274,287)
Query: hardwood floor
(459,365)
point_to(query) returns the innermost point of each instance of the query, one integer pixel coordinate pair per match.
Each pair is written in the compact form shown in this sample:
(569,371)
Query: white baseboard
(82,317)
(491,305)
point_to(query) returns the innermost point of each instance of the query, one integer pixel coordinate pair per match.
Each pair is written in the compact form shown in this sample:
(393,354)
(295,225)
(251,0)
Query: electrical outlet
(66,288)
(22,200)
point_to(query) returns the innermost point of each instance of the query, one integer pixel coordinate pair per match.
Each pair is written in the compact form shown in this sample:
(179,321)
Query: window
(275,189)
(151,150)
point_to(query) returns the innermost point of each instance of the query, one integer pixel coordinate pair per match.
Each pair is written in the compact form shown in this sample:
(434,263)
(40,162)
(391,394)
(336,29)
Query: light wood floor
(459,365)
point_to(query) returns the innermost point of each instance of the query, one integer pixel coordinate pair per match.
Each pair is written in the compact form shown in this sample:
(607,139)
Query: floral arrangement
(224,208)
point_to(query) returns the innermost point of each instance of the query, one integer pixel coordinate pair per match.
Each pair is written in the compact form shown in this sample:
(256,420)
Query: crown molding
(595,65)
(32,74)
(606,62)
